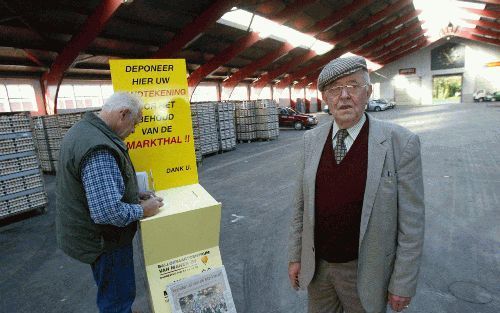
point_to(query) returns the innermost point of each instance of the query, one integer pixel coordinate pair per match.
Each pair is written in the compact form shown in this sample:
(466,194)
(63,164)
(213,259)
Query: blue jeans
(115,279)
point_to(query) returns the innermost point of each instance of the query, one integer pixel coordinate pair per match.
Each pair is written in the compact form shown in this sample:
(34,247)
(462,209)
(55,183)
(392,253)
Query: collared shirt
(352,131)
(104,189)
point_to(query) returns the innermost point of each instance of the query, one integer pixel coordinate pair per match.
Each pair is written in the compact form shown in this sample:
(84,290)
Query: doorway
(446,89)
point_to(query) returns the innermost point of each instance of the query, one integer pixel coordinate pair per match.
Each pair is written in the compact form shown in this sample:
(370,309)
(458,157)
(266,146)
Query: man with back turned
(98,200)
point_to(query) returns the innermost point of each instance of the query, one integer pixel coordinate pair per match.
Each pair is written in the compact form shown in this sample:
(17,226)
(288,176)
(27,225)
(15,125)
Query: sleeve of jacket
(411,220)
(295,236)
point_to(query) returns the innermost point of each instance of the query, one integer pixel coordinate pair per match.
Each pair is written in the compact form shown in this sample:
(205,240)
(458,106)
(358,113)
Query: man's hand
(398,303)
(145,195)
(151,206)
(293,274)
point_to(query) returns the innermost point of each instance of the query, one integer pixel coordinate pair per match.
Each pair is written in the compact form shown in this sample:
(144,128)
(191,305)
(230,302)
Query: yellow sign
(163,143)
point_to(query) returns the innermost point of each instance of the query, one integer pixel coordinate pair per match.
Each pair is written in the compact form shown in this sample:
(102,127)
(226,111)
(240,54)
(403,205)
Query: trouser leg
(321,292)
(114,276)
(344,277)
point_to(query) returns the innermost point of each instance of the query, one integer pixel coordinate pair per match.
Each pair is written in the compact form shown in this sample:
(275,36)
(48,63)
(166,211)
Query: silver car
(379,105)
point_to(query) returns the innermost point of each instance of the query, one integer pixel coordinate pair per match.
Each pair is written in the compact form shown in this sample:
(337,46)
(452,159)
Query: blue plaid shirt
(104,189)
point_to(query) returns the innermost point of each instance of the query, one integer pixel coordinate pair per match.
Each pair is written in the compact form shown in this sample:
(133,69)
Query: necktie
(340,148)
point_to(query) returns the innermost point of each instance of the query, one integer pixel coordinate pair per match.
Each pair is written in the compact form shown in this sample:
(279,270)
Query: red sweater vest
(339,199)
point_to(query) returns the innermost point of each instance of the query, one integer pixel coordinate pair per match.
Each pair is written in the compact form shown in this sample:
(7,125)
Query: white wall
(475,73)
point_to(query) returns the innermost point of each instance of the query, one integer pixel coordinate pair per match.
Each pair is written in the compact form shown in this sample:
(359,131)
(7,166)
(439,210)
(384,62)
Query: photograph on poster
(207,292)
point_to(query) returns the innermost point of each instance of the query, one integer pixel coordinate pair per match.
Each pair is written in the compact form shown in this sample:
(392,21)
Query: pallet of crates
(196,133)
(207,121)
(48,141)
(225,126)
(245,118)
(21,182)
(67,120)
(267,119)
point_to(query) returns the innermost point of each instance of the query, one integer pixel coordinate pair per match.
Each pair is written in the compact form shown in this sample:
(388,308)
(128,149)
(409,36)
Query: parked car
(379,105)
(479,95)
(493,96)
(289,117)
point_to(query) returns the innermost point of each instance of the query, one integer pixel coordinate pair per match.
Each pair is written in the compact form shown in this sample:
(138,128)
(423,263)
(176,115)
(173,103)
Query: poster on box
(202,293)
(176,269)
(163,142)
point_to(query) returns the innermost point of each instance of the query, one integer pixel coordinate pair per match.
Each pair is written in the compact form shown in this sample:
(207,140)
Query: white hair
(123,100)
(366,76)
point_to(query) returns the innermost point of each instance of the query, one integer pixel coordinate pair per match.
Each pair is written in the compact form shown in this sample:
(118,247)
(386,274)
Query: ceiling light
(245,20)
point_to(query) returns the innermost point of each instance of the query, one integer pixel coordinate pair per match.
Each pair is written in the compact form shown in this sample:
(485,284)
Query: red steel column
(194,29)
(94,24)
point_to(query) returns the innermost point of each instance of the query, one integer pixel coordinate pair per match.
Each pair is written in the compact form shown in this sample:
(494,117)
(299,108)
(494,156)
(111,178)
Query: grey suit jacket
(392,219)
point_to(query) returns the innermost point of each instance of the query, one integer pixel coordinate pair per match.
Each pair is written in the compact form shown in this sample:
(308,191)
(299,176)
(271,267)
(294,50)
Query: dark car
(379,105)
(289,117)
(495,96)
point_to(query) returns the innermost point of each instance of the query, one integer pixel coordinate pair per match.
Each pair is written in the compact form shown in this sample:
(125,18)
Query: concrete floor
(461,264)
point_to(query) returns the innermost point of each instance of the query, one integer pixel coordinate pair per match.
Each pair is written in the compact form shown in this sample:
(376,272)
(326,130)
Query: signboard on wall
(407,71)
(447,56)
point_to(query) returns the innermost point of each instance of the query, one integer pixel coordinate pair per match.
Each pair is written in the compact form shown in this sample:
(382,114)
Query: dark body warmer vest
(77,235)
(340,190)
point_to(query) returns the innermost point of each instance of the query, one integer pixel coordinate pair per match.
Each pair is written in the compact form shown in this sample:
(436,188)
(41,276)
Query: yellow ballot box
(180,241)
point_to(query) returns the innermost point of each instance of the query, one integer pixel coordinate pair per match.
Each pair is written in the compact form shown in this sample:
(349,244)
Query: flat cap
(338,68)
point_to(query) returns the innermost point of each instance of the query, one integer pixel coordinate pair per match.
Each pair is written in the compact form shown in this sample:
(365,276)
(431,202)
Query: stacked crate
(196,132)
(48,141)
(21,182)
(225,126)
(209,140)
(266,113)
(67,120)
(245,121)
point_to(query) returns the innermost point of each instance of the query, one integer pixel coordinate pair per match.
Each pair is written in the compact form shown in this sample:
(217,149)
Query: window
(240,92)
(17,97)
(205,92)
(80,96)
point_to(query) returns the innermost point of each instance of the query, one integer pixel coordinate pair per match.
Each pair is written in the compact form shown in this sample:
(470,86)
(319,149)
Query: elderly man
(358,223)
(98,201)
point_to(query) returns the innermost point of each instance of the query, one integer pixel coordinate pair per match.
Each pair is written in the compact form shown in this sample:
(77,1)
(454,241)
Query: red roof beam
(269,7)
(482,23)
(482,31)
(308,79)
(490,1)
(337,16)
(336,53)
(485,13)
(389,10)
(387,28)
(290,11)
(403,48)
(397,44)
(266,78)
(226,55)
(307,69)
(194,29)
(94,24)
(379,45)
(473,36)
(407,52)
(229,84)
(33,58)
